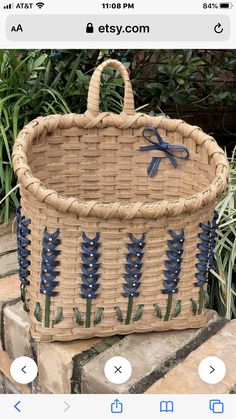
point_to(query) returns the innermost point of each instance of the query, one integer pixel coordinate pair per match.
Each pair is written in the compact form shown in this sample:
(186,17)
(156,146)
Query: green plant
(23,93)
(223,284)
(204,78)
(38,83)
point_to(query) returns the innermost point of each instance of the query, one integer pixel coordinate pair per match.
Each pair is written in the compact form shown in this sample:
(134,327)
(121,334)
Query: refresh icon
(218,28)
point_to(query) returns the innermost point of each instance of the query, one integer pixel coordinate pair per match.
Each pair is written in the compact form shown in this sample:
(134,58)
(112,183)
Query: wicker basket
(116,227)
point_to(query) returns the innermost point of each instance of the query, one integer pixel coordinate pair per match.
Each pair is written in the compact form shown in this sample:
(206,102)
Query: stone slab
(17,336)
(10,387)
(10,227)
(82,359)
(151,356)
(233,390)
(9,288)
(184,378)
(8,255)
(60,363)
(8,244)
(39,389)
(2,382)
(9,294)
(8,264)
(55,363)
(5,363)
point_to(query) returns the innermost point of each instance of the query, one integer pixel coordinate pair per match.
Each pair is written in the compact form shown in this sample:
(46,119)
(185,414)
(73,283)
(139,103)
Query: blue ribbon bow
(169,149)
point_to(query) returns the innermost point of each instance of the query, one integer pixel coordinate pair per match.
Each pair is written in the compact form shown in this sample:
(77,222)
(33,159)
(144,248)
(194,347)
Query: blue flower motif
(173,264)
(133,266)
(49,254)
(206,247)
(90,266)
(22,231)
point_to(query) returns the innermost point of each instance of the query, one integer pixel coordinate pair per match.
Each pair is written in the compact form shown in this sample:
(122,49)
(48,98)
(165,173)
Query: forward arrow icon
(212,369)
(67,406)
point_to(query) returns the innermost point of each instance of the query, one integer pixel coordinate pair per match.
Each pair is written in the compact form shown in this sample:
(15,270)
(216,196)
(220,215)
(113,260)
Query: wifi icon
(40,5)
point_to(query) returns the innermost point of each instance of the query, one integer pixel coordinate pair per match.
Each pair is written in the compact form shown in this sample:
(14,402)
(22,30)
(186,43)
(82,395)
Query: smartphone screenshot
(117,209)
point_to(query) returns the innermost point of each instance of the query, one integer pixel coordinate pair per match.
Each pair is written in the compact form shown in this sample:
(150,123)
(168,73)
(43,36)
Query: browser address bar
(109,28)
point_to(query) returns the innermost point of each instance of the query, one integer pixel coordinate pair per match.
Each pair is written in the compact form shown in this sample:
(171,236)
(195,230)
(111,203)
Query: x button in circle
(118,370)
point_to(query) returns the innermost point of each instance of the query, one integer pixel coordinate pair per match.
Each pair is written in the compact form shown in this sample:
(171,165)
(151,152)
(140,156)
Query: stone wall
(159,360)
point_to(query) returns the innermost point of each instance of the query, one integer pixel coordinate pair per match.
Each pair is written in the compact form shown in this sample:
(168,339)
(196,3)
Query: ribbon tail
(150,166)
(172,159)
(153,166)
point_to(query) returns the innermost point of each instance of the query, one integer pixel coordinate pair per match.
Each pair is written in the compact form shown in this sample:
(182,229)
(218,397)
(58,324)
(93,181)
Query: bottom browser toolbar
(181,406)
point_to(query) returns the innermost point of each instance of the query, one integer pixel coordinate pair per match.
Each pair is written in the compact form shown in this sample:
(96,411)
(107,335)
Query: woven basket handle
(94,88)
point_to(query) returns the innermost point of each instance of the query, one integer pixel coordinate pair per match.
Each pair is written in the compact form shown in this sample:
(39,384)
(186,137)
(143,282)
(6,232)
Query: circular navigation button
(118,370)
(24,370)
(212,370)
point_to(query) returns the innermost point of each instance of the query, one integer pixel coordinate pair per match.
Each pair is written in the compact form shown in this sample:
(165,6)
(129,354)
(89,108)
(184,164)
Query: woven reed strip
(115,209)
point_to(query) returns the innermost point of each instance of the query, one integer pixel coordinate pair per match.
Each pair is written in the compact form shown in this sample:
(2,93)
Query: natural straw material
(83,180)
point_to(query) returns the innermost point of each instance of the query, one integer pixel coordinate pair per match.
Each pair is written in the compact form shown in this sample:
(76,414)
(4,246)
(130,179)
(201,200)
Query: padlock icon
(89,28)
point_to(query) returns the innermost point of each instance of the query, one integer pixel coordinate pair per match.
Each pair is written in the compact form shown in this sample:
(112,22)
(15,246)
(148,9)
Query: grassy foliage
(24,94)
(38,83)
(223,284)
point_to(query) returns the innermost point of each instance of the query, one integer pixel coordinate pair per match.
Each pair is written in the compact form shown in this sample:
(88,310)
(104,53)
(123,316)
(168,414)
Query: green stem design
(202,298)
(23,292)
(47,311)
(168,307)
(129,310)
(88,312)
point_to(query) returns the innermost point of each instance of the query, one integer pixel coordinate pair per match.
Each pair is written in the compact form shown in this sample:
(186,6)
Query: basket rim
(47,124)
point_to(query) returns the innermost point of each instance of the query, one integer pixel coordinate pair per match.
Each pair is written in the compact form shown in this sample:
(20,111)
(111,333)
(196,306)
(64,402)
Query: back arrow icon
(67,406)
(23,369)
(212,369)
(16,406)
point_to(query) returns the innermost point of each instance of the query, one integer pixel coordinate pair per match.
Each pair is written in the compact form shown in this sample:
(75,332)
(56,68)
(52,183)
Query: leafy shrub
(223,284)
(38,83)
(202,78)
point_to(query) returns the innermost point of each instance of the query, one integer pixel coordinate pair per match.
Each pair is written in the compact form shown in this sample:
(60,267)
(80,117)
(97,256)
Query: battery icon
(226,5)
